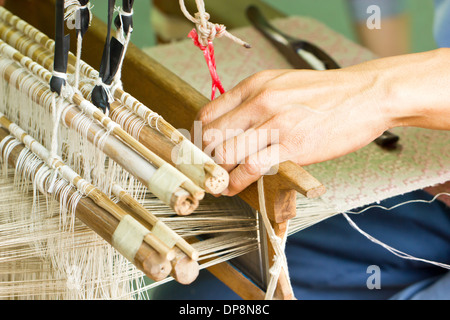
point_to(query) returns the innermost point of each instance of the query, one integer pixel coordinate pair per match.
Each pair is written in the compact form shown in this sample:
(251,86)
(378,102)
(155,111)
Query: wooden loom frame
(175,100)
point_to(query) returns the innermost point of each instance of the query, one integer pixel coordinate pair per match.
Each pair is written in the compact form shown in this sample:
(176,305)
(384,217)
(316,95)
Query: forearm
(417,90)
(407,90)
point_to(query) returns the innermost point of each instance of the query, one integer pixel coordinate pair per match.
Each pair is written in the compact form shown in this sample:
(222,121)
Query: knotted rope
(203,35)
(207,30)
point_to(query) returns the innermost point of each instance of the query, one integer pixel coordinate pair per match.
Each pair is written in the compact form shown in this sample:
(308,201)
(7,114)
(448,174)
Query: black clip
(112,52)
(62,47)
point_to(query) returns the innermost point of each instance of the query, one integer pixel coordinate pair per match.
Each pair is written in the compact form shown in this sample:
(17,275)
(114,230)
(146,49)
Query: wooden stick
(184,268)
(156,259)
(215,179)
(101,199)
(179,201)
(104,224)
(191,187)
(152,220)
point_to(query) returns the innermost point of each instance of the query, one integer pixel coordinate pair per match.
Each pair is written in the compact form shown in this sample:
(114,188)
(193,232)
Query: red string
(208,52)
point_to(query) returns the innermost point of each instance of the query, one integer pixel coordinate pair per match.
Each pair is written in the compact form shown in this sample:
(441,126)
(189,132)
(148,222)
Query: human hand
(313,116)
(302,116)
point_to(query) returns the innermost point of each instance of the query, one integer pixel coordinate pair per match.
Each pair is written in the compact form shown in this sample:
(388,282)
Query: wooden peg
(280,192)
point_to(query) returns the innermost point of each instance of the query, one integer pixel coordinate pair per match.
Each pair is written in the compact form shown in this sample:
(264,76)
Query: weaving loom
(134,170)
(288,194)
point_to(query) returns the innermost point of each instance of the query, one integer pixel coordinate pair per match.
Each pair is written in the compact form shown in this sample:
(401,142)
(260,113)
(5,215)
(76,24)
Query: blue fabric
(437,288)
(442,23)
(331,260)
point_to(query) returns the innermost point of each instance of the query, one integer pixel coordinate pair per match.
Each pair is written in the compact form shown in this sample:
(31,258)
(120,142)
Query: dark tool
(62,47)
(109,65)
(304,55)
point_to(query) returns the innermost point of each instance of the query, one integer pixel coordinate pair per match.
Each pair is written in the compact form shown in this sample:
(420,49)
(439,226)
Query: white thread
(77,62)
(125,40)
(126,14)
(387,247)
(53,179)
(112,125)
(87,107)
(11,143)
(102,135)
(399,204)
(61,75)
(153,116)
(107,88)
(41,177)
(278,244)
(127,120)
(165,234)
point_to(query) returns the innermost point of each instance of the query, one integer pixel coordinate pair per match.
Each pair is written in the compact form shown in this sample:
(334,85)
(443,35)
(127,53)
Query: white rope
(208,31)
(278,244)
(99,82)
(77,62)
(387,247)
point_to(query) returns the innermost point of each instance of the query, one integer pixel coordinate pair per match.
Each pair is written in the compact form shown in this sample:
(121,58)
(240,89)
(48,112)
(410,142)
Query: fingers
(227,134)
(256,111)
(233,151)
(212,111)
(221,105)
(253,167)
(234,97)
(230,124)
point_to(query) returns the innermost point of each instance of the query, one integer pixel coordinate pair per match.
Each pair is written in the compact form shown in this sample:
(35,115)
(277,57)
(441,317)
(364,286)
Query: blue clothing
(442,23)
(331,260)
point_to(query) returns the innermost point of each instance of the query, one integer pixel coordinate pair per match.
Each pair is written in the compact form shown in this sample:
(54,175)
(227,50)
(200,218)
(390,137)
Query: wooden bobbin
(104,224)
(154,265)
